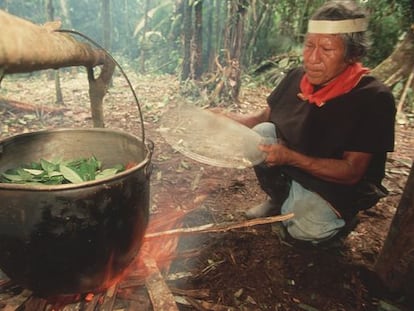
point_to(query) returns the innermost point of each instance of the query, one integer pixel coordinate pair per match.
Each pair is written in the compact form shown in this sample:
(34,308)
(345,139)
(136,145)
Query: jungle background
(213,42)
(229,54)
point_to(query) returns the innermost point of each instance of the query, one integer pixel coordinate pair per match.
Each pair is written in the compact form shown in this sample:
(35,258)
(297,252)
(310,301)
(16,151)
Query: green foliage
(59,172)
(388,21)
(271,27)
(271,71)
(164,60)
(383,39)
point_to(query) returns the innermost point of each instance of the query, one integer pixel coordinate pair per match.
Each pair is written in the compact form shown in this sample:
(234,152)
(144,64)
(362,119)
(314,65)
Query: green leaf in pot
(109,172)
(70,174)
(59,172)
(49,167)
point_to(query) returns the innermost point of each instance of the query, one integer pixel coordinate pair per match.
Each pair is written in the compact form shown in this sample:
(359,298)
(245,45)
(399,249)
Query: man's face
(323,57)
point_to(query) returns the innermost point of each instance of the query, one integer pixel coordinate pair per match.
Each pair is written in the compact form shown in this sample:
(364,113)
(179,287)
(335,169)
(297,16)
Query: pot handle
(120,69)
(149,167)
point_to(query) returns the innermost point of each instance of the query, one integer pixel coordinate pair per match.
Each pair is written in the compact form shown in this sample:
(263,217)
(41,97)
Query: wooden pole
(26,47)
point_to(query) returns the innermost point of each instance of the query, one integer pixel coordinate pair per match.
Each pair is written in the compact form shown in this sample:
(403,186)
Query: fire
(111,277)
(161,249)
(89,297)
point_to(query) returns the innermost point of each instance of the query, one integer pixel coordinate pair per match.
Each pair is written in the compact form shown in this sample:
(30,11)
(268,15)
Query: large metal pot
(73,238)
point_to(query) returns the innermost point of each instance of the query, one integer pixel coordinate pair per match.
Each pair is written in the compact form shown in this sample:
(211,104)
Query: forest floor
(250,268)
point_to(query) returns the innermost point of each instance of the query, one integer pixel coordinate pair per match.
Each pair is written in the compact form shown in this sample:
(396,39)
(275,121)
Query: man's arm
(249,120)
(348,170)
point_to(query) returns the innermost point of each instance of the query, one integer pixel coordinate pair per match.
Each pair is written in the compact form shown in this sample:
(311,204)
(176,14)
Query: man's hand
(277,154)
(348,170)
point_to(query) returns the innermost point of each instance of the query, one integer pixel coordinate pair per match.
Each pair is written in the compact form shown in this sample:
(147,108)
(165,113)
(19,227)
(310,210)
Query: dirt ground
(251,268)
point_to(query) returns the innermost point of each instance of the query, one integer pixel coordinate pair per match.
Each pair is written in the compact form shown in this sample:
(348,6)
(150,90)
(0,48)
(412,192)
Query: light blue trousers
(314,218)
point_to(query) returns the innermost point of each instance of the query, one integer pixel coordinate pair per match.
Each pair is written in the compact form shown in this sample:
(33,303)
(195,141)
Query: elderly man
(327,130)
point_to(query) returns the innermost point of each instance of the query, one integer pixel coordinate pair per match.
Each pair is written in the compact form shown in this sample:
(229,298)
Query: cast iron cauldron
(73,238)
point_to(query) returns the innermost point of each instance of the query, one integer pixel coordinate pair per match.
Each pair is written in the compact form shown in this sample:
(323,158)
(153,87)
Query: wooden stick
(219,228)
(15,302)
(404,94)
(394,77)
(194,293)
(161,297)
(202,305)
(16,106)
(109,298)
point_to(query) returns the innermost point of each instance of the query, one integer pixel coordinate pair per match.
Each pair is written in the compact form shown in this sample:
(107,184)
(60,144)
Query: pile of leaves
(59,172)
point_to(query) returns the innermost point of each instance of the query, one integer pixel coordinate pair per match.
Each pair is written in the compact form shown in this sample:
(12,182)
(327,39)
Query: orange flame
(160,249)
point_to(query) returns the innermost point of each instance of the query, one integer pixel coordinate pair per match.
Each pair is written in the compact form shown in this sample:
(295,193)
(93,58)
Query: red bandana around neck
(342,84)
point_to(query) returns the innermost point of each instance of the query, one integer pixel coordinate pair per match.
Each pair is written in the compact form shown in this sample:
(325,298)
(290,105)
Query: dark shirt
(361,120)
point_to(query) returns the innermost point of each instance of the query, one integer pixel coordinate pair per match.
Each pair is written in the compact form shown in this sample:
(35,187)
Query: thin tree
(210,30)
(65,13)
(187,35)
(106,23)
(54,74)
(143,37)
(257,22)
(233,44)
(198,40)
(218,25)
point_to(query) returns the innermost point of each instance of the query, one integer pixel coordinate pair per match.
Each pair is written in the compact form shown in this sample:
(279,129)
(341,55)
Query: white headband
(338,26)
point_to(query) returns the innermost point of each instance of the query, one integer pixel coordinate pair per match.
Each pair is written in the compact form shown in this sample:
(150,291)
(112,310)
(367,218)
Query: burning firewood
(160,295)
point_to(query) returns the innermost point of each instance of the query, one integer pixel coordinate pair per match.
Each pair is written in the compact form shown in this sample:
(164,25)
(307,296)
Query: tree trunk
(395,264)
(66,22)
(399,64)
(198,40)
(210,48)
(97,90)
(257,21)
(65,12)
(54,74)
(106,23)
(41,47)
(50,13)
(143,40)
(399,67)
(218,30)
(187,32)
(233,43)
(58,89)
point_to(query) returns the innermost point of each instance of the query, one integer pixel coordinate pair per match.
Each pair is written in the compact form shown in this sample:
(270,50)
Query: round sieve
(210,138)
